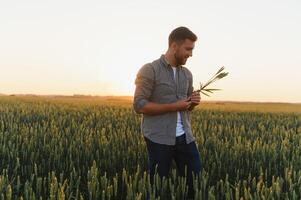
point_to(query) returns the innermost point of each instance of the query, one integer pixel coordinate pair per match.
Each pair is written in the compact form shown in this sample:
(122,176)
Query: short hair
(179,35)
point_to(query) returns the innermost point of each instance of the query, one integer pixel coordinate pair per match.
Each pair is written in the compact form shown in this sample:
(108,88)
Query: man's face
(183,51)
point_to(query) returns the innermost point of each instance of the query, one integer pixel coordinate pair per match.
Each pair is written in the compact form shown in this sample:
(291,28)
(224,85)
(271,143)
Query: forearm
(156,109)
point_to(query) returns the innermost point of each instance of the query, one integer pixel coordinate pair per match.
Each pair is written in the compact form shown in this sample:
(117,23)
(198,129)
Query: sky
(97,47)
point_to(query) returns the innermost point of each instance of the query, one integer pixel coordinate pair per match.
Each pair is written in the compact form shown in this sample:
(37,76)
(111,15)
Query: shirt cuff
(139,104)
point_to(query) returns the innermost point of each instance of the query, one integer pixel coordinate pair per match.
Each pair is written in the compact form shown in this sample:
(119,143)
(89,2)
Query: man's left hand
(195,99)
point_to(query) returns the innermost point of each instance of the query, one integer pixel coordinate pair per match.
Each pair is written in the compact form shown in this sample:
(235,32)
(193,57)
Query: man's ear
(174,46)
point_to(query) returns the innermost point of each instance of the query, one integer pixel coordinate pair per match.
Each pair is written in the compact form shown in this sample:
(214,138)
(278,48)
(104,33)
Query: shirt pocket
(164,87)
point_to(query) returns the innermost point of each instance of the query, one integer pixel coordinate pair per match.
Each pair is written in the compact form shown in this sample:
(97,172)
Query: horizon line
(131,96)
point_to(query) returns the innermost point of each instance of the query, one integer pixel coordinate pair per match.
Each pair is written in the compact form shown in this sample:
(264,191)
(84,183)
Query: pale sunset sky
(97,47)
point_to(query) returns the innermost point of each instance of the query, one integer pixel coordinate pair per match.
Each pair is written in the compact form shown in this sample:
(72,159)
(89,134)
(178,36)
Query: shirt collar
(165,63)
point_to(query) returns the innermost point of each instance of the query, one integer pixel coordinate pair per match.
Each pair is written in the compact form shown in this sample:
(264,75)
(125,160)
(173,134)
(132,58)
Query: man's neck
(170,59)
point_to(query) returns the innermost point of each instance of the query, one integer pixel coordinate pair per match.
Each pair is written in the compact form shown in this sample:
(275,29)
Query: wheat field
(81,147)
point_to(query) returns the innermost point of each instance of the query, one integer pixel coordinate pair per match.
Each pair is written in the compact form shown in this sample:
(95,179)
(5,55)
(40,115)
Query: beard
(180,60)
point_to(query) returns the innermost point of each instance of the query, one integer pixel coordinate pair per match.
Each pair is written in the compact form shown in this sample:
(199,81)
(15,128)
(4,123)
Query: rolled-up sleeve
(144,86)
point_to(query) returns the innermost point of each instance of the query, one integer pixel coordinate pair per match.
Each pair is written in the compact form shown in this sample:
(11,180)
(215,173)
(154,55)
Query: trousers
(185,156)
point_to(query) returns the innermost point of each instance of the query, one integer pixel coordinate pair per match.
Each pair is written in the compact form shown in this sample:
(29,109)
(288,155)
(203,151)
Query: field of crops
(72,149)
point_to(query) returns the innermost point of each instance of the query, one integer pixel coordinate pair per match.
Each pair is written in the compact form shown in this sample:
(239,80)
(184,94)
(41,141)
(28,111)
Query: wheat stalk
(218,75)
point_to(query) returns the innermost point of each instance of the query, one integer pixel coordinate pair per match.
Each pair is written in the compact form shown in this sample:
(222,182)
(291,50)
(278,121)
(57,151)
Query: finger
(195,99)
(196,96)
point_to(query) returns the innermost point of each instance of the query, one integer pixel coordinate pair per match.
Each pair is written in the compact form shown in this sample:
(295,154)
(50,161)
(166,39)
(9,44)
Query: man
(164,95)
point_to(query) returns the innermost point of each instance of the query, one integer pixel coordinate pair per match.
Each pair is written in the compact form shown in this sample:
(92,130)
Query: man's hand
(195,99)
(184,104)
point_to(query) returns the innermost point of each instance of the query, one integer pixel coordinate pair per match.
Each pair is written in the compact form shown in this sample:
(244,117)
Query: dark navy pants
(161,155)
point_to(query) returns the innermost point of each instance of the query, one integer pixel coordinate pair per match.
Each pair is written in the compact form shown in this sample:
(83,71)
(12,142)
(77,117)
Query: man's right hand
(183,104)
